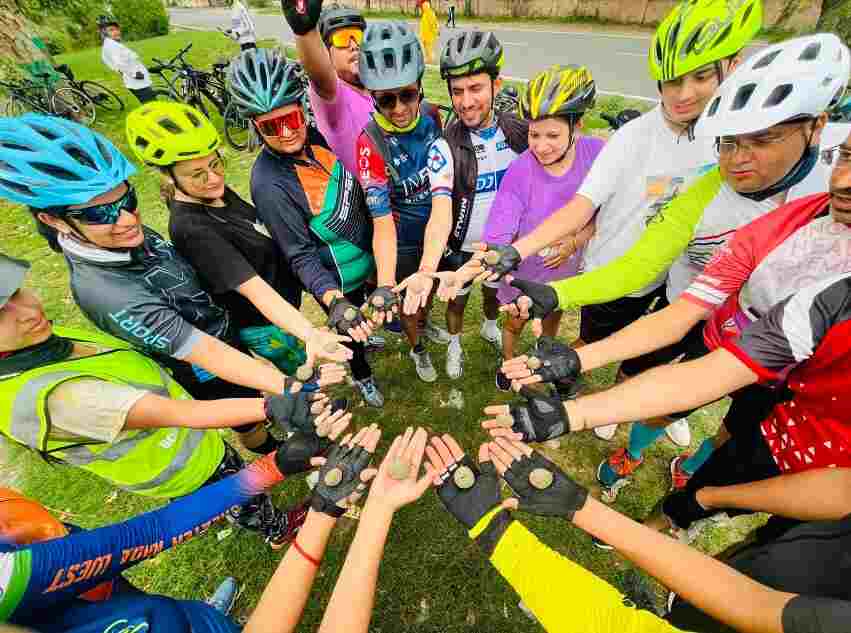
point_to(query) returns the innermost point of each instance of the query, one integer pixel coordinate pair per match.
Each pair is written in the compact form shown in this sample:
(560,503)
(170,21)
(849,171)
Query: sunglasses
(108,212)
(341,38)
(407,97)
(291,121)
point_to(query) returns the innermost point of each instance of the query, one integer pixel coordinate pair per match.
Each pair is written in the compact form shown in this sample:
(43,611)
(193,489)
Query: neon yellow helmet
(163,133)
(558,91)
(700,32)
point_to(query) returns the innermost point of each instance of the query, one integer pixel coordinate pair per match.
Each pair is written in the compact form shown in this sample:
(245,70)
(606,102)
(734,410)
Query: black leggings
(359,365)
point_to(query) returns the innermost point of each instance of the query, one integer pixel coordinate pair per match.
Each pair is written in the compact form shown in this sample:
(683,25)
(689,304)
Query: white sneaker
(606,432)
(454,361)
(492,336)
(679,432)
(425,368)
(436,334)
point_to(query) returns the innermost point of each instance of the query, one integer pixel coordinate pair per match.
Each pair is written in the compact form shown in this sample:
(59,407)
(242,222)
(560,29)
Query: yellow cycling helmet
(163,133)
(558,91)
(700,32)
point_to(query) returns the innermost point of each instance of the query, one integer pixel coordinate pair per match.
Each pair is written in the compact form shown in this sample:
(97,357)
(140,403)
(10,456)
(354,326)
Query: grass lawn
(433,578)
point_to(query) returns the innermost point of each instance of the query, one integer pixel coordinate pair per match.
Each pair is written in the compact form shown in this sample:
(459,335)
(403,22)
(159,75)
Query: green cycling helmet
(470,53)
(261,79)
(700,32)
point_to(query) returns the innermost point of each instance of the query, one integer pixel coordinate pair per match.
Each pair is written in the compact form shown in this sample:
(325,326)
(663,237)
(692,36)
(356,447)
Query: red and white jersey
(806,341)
(767,260)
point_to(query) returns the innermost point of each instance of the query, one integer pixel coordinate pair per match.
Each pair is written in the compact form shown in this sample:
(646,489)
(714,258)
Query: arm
(275,308)
(372,176)
(647,334)
(153,411)
(64,568)
(290,585)
(568,220)
(384,250)
(710,585)
(441,178)
(662,390)
(317,63)
(789,495)
(231,365)
(664,239)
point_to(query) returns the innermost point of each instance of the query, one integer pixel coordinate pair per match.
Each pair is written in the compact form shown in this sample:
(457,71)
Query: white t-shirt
(122,60)
(493,156)
(642,166)
(242,25)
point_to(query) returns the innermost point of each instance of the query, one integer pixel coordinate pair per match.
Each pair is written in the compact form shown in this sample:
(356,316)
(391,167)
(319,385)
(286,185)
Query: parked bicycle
(620,119)
(100,95)
(203,90)
(45,97)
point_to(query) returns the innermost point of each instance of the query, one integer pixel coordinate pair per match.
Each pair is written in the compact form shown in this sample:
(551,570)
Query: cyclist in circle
(314,208)
(535,184)
(466,168)
(220,235)
(125,277)
(392,155)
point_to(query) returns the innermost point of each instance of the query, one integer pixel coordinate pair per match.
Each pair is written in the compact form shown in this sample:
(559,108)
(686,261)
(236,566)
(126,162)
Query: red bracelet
(307,556)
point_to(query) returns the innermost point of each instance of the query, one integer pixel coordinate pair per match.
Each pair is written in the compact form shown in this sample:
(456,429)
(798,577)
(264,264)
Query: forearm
(568,220)
(712,586)
(789,495)
(384,250)
(661,391)
(153,411)
(350,607)
(283,600)
(436,233)
(317,64)
(584,235)
(645,335)
(231,365)
(275,308)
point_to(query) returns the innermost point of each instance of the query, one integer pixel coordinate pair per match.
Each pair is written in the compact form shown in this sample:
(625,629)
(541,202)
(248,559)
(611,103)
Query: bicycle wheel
(15,106)
(73,104)
(237,132)
(102,96)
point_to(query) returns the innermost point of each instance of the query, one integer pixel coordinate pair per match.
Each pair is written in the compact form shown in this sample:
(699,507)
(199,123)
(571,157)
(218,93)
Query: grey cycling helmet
(12,274)
(471,53)
(337,16)
(261,79)
(390,57)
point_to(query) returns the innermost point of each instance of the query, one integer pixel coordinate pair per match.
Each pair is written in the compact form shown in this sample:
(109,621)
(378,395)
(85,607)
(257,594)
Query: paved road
(618,62)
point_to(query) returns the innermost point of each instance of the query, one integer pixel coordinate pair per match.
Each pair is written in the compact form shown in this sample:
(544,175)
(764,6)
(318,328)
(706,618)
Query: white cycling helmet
(798,78)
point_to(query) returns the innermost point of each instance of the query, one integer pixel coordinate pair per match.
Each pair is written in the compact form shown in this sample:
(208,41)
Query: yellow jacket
(429,28)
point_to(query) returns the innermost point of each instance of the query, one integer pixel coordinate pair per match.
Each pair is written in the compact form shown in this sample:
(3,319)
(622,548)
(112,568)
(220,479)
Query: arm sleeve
(61,569)
(372,174)
(130,311)
(805,614)
(507,209)
(91,408)
(441,168)
(564,596)
(791,331)
(219,263)
(292,234)
(666,237)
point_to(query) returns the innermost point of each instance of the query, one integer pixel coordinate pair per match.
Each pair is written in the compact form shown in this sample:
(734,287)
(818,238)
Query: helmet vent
(4,166)
(14,146)
(719,39)
(766,59)
(80,156)
(811,52)
(778,95)
(142,143)
(264,75)
(689,44)
(158,154)
(743,96)
(48,134)
(407,56)
(170,126)
(747,14)
(16,187)
(192,118)
(477,39)
(104,151)
(55,172)
(388,60)
(713,107)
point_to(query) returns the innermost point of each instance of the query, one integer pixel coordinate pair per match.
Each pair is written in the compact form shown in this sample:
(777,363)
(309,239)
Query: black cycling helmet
(104,21)
(336,16)
(470,53)
(390,56)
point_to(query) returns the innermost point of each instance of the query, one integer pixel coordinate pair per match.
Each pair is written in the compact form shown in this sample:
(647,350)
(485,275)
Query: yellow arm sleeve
(565,597)
(666,237)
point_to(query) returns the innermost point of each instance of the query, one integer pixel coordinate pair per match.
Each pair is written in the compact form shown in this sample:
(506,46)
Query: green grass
(433,579)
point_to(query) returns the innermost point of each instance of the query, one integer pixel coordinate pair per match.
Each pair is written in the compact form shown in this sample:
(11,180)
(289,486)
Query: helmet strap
(795,175)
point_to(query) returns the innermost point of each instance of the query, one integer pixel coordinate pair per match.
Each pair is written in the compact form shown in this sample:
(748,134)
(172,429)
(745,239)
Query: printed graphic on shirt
(663,188)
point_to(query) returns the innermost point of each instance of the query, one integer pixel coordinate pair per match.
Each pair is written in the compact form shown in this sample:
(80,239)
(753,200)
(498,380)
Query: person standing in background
(116,56)
(242,29)
(450,18)
(429,30)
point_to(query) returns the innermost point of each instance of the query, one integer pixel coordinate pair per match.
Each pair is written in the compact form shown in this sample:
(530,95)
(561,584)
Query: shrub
(140,19)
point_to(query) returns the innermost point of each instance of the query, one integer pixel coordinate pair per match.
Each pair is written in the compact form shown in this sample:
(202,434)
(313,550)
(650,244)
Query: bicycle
(620,119)
(100,95)
(65,101)
(197,88)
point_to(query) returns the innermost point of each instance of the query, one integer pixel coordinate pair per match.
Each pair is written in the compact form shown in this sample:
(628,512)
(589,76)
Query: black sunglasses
(106,213)
(407,96)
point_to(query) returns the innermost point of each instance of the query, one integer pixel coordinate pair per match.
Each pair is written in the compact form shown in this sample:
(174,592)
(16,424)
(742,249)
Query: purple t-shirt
(527,196)
(342,120)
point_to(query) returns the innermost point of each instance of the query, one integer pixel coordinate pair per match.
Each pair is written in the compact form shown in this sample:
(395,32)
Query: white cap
(801,77)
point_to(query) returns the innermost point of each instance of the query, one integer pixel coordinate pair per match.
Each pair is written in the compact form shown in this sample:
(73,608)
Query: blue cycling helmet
(260,80)
(50,162)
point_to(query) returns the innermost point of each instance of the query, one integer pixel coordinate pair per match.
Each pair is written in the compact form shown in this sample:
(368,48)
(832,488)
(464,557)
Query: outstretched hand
(397,482)
(417,289)
(542,418)
(552,361)
(345,472)
(536,302)
(301,15)
(384,304)
(326,345)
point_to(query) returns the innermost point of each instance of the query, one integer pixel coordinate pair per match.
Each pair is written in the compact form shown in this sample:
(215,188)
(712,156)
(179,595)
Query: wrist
(575,419)
(375,510)
(704,497)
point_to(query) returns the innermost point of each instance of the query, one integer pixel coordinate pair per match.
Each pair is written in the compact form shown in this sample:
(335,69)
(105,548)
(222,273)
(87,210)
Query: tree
(20,44)
(836,17)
